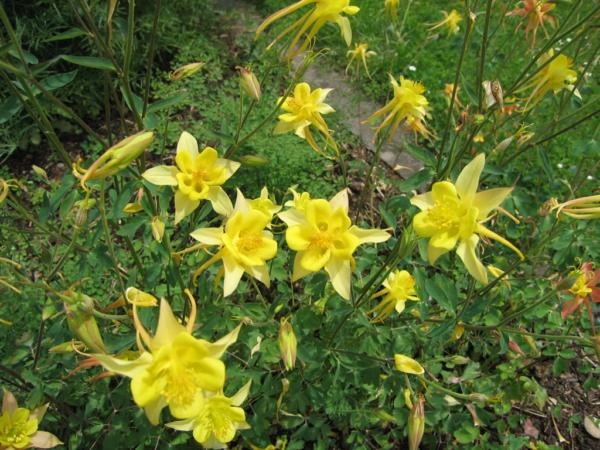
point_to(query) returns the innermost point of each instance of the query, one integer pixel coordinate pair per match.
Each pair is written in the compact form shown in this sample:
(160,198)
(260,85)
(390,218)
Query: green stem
(108,237)
(461,59)
(151,56)
(484,45)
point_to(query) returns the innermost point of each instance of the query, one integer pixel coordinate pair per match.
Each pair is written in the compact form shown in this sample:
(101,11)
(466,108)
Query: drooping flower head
(174,369)
(309,24)
(397,289)
(583,289)
(391,8)
(245,245)
(408,106)
(451,21)
(19,426)
(302,110)
(360,54)
(324,238)
(554,76)
(218,419)
(197,176)
(452,216)
(535,13)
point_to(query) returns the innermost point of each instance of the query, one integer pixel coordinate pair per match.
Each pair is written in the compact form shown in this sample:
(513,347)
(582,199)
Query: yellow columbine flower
(583,208)
(264,204)
(409,105)
(454,213)
(175,369)
(244,245)
(19,426)
(324,237)
(360,54)
(304,109)
(451,22)
(218,420)
(397,289)
(408,365)
(198,176)
(391,8)
(310,23)
(555,76)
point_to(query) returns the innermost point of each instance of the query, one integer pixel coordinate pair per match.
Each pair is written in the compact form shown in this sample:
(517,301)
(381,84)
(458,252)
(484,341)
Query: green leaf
(11,106)
(92,62)
(466,434)
(139,103)
(29,57)
(443,292)
(421,154)
(415,180)
(69,34)
(57,81)
(166,103)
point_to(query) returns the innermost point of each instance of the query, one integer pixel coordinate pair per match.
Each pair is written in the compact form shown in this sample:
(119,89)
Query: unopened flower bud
(459,360)
(416,424)
(503,145)
(40,172)
(253,160)
(497,93)
(158,229)
(133,208)
(185,71)
(287,344)
(130,148)
(79,309)
(249,83)
(479,398)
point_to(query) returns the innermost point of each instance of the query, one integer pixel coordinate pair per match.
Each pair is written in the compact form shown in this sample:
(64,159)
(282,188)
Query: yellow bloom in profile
(218,420)
(309,24)
(391,8)
(454,213)
(397,289)
(197,176)
(555,76)
(19,426)
(408,365)
(303,110)
(451,22)
(583,208)
(264,204)
(174,369)
(323,237)
(244,245)
(409,105)
(360,54)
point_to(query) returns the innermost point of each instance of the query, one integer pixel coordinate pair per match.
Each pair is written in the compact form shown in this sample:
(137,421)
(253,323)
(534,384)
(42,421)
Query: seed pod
(185,71)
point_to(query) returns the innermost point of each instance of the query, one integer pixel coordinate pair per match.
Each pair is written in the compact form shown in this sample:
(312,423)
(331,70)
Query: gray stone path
(350,103)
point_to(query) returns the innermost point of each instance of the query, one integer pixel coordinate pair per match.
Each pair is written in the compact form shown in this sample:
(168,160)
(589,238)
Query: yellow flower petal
(161,175)
(468,180)
(188,143)
(168,327)
(208,236)
(220,200)
(487,201)
(184,206)
(340,275)
(408,365)
(466,252)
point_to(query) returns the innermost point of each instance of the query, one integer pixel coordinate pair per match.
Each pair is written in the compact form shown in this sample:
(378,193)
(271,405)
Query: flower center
(444,216)
(181,385)
(323,239)
(580,287)
(249,243)
(15,431)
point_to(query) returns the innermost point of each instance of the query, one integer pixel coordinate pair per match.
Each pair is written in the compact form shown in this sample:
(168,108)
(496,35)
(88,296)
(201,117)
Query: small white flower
(412,68)
(590,177)
(560,165)
(569,39)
